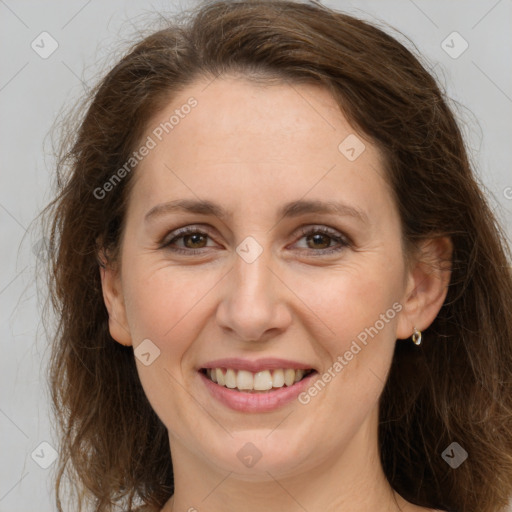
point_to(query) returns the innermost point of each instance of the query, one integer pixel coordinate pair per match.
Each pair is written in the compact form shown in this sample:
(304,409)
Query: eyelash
(304,231)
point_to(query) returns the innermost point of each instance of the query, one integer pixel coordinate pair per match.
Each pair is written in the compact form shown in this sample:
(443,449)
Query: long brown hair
(457,388)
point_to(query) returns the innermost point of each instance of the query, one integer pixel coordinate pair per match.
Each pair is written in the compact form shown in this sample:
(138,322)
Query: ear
(114,302)
(427,285)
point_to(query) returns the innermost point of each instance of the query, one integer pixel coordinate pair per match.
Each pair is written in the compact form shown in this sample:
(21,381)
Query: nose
(254,305)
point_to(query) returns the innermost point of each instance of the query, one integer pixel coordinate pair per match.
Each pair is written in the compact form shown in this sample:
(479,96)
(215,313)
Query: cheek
(163,301)
(347,302)
(361,308)
(358,309)
(167,306)
(364,304)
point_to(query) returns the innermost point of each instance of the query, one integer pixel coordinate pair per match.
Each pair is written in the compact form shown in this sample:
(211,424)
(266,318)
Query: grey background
(90,35)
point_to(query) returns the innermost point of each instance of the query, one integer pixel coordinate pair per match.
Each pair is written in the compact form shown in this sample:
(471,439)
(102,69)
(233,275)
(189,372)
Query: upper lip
(257,365)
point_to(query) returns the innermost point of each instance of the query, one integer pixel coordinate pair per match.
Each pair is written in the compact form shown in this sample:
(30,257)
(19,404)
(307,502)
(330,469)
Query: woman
(279,284)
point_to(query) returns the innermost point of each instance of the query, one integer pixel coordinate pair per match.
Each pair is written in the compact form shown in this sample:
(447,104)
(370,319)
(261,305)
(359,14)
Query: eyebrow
(288,210)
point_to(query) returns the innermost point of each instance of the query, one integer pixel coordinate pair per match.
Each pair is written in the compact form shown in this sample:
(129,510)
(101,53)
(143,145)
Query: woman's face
(266,280)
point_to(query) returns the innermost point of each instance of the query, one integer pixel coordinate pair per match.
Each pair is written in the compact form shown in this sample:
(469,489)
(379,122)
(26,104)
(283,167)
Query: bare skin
(251,149)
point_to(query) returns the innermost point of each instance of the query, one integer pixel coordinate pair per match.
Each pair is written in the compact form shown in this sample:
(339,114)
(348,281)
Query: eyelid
(182,231)
(339,237)
(342,239)
(321,228)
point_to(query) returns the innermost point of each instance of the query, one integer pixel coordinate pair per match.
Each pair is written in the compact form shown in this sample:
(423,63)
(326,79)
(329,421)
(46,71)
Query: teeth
(244,380)
(264,380)
(220,376)
(278,379)
(230,379)
(289,376)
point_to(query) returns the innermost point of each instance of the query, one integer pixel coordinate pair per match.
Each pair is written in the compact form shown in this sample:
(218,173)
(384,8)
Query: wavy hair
(458,387)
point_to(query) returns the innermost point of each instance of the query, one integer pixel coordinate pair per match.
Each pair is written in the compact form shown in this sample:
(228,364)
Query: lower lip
(257,402)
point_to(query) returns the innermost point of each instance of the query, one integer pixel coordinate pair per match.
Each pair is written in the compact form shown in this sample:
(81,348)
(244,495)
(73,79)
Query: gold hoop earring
(416,337)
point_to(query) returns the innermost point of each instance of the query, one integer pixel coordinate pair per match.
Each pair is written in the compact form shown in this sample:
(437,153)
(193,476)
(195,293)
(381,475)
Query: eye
(192,239)
(321,238)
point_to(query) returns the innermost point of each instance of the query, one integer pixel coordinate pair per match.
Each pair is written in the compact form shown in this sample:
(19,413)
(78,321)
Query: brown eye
(319,241)
(188,240)
(195,241)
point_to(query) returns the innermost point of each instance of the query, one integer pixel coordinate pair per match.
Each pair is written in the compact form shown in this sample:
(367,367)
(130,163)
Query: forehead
(235,114)
(240,141)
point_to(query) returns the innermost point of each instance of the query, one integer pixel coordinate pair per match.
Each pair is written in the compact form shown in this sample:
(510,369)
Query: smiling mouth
(259,382)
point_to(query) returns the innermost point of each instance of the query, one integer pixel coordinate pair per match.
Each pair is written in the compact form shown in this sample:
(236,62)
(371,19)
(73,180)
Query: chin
(261,455)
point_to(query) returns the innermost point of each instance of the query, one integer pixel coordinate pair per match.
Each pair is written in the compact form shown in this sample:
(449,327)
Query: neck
(352,481)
